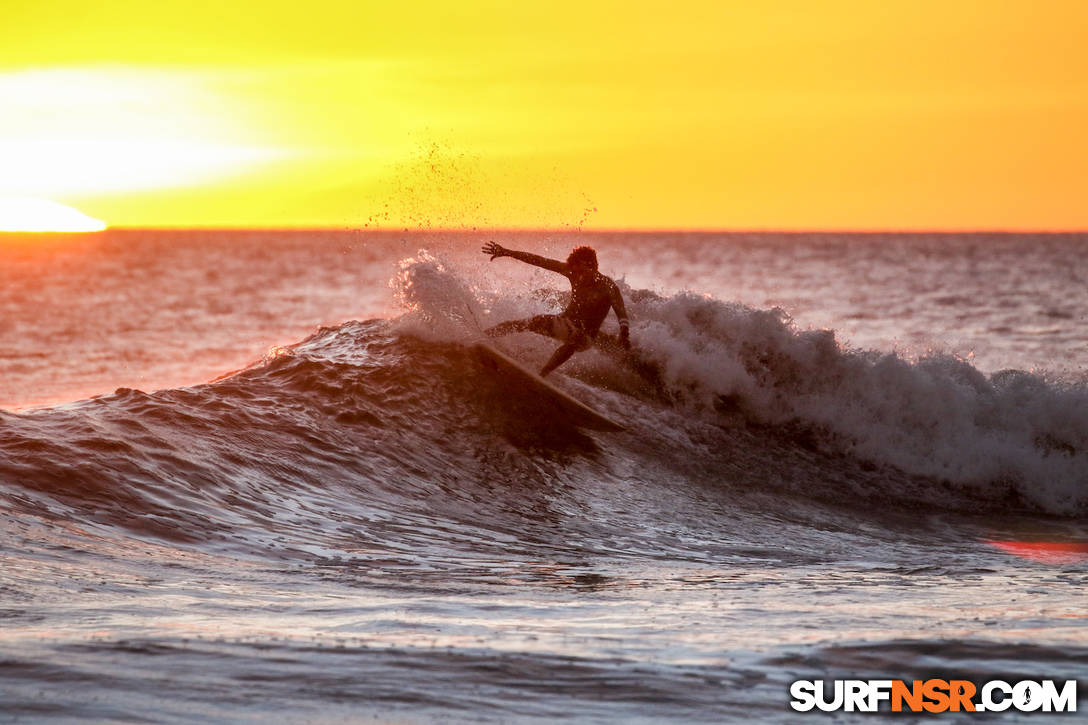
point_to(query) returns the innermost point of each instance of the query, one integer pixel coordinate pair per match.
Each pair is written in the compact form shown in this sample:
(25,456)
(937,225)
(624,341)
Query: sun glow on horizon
(845,114)
(94,131)
(31,214)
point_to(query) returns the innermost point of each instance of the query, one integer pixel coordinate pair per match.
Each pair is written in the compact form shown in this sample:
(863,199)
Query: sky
(727,114)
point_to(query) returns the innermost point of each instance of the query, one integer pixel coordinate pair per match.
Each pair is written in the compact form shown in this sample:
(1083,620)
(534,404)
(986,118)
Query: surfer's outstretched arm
(536,260)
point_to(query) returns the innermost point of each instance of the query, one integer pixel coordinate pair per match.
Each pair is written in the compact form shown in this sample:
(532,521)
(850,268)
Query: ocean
(259,476)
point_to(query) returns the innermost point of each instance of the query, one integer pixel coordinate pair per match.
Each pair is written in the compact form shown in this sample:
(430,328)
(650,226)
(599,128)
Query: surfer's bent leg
(547,325)
(505,328)
(559,357)
(574,340)
(573,337)
(541,324)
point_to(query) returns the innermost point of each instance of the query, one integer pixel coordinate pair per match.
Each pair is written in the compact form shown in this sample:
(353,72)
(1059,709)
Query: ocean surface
(258,476)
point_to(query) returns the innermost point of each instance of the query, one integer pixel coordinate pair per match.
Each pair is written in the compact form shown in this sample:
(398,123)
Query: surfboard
(577,412)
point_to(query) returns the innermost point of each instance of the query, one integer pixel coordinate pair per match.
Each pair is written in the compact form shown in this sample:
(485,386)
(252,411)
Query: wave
(387,434)
(1012,436)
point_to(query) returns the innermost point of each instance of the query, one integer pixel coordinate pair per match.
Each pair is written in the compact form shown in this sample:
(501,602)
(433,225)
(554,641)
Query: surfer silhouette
(591,296)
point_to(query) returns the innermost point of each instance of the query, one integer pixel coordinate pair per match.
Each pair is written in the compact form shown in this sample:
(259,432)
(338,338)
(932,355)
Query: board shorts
(563,329)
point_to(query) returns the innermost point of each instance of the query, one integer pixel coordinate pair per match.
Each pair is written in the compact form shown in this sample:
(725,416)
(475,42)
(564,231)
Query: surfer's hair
(583,255)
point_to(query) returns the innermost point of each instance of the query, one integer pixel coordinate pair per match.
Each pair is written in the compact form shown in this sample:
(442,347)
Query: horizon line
(601,230)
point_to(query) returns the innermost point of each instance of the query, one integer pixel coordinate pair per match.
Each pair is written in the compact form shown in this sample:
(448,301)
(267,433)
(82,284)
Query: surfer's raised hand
(494,250)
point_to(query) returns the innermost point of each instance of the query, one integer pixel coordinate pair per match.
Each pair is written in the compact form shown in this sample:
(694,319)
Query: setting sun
(834,115)
(29,214)
(112,131)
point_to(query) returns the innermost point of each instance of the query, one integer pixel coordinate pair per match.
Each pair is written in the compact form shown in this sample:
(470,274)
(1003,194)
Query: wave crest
(937,417)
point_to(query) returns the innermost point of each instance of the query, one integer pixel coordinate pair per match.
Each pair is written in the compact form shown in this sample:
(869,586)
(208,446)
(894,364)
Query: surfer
(591,296)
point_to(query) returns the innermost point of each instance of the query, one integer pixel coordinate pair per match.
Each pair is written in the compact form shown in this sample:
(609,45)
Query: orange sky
(723,114)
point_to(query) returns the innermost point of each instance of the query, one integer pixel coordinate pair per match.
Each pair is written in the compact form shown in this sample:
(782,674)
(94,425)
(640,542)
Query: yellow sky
(724,114)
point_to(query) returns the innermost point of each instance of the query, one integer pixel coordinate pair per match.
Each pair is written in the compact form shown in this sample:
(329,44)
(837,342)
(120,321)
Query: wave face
(369,521)
(1011,436)
(392,429)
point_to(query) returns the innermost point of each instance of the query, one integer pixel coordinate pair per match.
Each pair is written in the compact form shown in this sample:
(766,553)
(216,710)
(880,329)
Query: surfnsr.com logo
(934,696)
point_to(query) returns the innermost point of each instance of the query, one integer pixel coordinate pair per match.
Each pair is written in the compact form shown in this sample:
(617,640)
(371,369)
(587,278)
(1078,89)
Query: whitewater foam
(1012,436)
